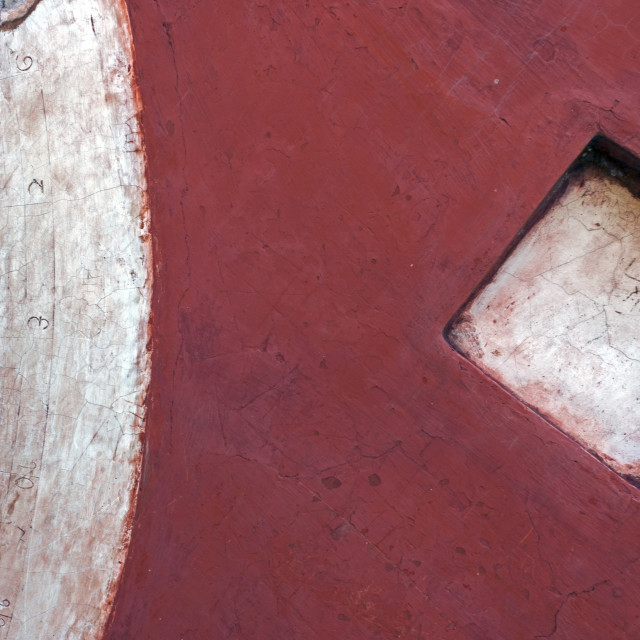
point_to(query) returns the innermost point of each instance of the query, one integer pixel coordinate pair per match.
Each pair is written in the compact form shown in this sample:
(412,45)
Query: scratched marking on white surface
(74,307)
(559,324)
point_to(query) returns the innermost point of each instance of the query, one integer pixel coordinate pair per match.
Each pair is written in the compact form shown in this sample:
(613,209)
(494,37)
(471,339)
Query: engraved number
(37,183)
(24,483)
(25,64)
(3,617)
(38,321)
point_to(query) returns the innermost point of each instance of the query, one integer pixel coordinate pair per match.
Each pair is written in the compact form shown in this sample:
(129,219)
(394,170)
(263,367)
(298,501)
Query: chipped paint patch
(12,12)
(74,309)
(558,324)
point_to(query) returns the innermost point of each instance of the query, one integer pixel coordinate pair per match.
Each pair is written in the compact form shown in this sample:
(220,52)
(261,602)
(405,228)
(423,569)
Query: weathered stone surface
(74,280)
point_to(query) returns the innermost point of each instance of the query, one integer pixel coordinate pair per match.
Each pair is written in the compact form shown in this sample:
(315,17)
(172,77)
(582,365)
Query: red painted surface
(328,184)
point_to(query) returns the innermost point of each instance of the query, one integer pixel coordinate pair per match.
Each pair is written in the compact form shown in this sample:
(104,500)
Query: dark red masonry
(328,184)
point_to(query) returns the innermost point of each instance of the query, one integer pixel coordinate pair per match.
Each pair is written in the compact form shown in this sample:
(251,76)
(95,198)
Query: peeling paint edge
(145,332)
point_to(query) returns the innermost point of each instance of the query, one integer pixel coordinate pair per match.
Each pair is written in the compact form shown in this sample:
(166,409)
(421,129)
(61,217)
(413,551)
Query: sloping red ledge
(328,185)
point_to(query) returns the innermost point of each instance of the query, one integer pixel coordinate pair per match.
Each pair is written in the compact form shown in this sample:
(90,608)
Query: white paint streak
(560,322)
(74,307)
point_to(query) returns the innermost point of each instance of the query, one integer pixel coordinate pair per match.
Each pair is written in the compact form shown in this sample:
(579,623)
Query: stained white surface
(74,306)
(559,324)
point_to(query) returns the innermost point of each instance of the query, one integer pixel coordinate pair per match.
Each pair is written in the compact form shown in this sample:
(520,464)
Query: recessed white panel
(559,322)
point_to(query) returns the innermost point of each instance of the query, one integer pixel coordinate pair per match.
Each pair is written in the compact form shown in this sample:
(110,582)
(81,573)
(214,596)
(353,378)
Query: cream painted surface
(74,307)
(559,324)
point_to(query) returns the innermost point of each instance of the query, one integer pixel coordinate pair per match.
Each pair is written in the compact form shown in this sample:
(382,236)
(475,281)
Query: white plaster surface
(74,308)
(559,324)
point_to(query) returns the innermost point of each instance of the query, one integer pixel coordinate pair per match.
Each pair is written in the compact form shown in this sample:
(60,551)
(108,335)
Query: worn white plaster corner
(559,322)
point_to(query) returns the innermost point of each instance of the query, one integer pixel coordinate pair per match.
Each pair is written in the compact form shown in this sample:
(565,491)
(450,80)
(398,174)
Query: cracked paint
(74,308)
(559,322)
(328,183)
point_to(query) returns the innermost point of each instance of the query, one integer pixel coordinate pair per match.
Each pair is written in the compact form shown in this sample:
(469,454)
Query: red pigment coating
(327,185)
